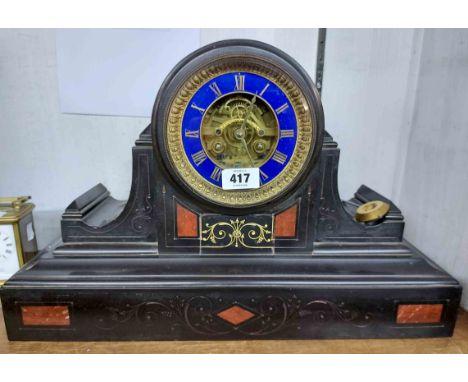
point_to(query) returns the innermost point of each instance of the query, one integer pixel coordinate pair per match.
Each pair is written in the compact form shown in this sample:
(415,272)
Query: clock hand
(244,123)
(247,115)
(248,152)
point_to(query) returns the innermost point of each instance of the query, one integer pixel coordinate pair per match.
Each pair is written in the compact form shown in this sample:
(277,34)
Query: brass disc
(372,211)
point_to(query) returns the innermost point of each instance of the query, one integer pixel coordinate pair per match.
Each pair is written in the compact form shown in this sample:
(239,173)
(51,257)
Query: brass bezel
(296,165)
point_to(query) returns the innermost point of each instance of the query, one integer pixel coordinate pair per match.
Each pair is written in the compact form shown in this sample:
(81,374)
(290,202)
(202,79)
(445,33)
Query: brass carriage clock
(234,227)
(17,238)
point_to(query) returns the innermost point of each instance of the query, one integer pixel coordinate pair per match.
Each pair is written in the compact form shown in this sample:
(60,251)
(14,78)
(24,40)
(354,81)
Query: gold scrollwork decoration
(236,232)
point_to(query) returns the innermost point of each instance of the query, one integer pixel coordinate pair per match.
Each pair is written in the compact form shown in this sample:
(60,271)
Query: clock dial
(9,263)
(230,128)
(238,110)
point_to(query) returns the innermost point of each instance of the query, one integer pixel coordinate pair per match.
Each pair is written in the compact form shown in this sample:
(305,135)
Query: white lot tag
(240,178)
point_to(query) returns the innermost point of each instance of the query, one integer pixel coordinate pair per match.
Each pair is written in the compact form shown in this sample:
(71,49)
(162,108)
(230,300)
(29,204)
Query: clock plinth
(185,259)
(342,291)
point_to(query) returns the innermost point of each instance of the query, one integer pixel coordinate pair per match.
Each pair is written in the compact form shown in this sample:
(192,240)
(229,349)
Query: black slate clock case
(125,271)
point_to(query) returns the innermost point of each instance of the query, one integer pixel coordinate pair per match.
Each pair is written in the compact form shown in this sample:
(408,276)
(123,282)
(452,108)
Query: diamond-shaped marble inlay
(235,315)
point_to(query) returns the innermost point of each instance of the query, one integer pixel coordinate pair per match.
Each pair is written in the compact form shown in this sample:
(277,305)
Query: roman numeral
(199,157)
(201,110)
(264,89)
(8,251)
(192,133)
(215,88)
(240,80)
(282,108)
(216,174)
(286,133)
(263,176)
(279,157)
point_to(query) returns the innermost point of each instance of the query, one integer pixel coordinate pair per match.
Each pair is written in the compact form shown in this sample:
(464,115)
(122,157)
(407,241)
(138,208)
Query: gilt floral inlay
(236,233)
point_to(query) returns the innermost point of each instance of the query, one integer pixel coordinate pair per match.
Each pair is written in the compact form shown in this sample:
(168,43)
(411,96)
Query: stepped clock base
(342,291)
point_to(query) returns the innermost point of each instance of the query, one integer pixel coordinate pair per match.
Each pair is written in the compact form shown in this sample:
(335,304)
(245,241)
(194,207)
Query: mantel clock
(234,227)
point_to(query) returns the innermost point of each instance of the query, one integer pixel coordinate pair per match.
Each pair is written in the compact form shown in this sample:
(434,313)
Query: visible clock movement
(234,227)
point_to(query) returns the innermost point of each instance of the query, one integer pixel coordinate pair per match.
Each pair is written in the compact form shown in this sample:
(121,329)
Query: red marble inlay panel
(235,315)
(45,315)
(187,222)
(419,313)
(285,223)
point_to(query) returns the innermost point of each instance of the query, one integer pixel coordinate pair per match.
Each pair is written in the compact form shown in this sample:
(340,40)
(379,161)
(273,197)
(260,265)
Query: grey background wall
(434,184)
(54,156)
(368,79)
(397,103)
(395,100)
